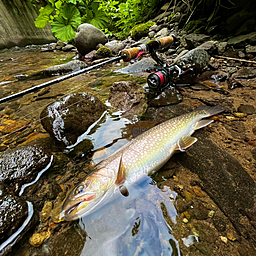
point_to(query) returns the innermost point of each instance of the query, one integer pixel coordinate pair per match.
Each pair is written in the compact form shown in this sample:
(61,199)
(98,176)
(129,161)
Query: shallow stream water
(125,226)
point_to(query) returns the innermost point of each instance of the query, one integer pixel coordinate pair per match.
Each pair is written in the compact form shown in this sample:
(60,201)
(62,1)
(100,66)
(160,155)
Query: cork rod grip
(166,41)
(130,54)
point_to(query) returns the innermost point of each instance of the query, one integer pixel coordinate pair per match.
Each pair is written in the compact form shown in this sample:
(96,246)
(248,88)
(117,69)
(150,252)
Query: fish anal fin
(124,191)
(120,178)
(185,142)
(202,123)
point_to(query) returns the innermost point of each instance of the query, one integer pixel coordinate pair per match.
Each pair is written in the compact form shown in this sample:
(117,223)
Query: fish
(144,155)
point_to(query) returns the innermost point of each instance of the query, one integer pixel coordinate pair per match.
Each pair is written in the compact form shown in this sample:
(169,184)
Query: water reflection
(132,225)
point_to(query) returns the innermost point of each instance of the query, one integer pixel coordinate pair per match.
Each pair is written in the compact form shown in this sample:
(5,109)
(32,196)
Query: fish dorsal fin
(202,123)
(185,142)
(124,191)
(120,178)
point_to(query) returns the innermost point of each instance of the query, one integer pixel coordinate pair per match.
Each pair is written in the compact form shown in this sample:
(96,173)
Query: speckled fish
(145,154)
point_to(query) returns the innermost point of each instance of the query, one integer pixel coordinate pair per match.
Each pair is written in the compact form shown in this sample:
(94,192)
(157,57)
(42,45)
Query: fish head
(84,198)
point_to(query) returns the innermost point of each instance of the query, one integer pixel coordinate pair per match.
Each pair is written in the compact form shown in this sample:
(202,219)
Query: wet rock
(224,179)
(250,49)
(197,56)
(247,109)
(167,97)
(87,38)
(194,40)
(71,116)
(13,212)
(21,165)
(128,96)
(71,66)
(115,46)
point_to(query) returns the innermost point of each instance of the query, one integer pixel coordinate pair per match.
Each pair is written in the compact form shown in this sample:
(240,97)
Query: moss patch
(141,30)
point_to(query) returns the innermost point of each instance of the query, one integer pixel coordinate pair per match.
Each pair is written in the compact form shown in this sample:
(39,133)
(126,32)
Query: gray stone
(87,38)
(68,47)
(151,34)
(115,46)
(196,56)
(242,40)
(162,33)
(194,40)
(221,47)
(250,49)
(71,116)
(71,66)
(209,46)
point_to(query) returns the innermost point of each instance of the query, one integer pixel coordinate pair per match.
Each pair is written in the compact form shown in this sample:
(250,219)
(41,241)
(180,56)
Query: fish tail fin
(211,110)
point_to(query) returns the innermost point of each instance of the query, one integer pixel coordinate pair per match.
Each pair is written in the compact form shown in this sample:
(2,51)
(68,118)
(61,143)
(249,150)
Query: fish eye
(80,189)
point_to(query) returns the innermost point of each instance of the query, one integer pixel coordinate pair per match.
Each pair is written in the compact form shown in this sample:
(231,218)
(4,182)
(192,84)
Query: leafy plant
(96,16)
(65,25)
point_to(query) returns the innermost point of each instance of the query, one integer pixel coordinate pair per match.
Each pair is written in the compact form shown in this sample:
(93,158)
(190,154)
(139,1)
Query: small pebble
(224,239)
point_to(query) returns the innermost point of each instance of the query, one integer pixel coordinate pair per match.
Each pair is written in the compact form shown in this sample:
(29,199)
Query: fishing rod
(126,55)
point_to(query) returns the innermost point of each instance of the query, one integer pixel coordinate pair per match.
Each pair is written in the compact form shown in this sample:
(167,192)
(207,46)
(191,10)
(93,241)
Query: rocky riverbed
(51,138)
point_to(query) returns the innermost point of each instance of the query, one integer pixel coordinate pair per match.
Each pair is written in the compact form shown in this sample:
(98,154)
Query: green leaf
(44,16)
(58,4)
(64,26)
(72,15)
(96,16)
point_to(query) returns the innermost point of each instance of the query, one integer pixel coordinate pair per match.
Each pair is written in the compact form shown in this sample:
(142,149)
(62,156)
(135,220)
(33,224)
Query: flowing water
(128,226)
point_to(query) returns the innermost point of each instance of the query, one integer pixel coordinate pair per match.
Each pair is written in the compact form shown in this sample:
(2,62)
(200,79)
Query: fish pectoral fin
(202,123)
(120,178)
(185,142)
(124,191)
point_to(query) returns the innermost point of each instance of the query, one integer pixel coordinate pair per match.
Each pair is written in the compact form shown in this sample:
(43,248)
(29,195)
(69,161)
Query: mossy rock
(141,30)
(103,52)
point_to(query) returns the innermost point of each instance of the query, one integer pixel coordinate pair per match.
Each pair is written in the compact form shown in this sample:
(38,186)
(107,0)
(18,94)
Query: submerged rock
(71,66)
(13,212)
(167,97)
(22,165)
(88,37)
(128,96)
(71,116)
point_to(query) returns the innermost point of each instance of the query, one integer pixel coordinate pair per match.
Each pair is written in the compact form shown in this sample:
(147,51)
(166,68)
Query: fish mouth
(70,206)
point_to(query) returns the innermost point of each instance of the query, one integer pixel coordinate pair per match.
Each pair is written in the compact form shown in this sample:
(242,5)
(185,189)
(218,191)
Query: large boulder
(71,116)
(21,166)
(88,37)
